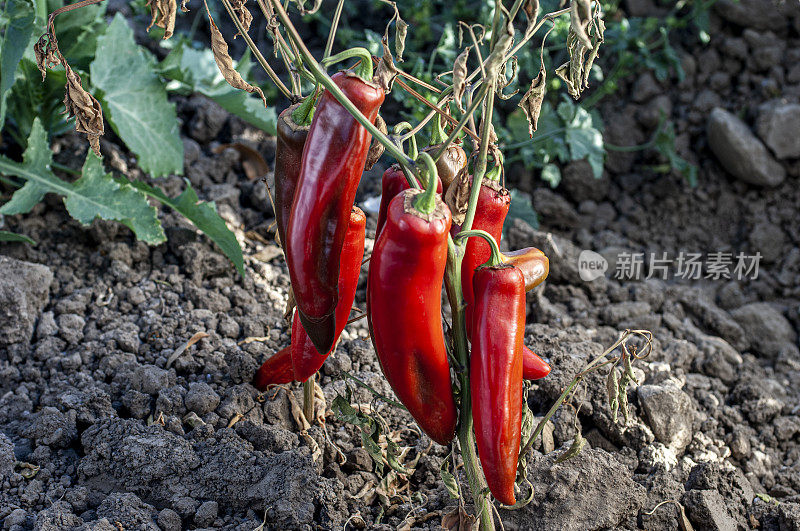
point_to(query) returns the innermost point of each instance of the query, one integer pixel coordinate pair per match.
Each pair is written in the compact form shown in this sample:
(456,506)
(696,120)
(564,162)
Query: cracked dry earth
(97,431)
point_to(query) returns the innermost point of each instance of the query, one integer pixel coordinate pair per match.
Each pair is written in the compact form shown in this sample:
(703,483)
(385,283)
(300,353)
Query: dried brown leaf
(376,148)
(385,72)
(163,13)
(290,304)
(457,196)
(47,53)
(192,340)
(401,30)
(532,101)
(225,64)
(531,9)
(85,108)
(184,9)
(459,520)
(459,77)
(580,16)
(242,14)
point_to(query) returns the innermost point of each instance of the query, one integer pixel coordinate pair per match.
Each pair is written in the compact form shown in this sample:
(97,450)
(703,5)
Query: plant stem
(461,124)
(334,26)
(308,399)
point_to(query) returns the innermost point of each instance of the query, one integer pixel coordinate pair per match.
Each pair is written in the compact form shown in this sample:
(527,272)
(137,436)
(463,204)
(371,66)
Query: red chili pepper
(333,160)
(288,154)
(532,262)
(494,202)
(276,370)
(305,358)
(533,367)
(404,308)
(393,182)
(496,362)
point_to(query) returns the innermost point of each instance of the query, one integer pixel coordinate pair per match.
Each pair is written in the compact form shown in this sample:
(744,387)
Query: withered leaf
(457,196)
(85,108)
(612,388)
(163,14)
(401,30)
(242,14)
(225,64)
(459,520)
(47,53)
(531,102)
(376,148)
(575,448)
(459,77)
(183,6)
(531,9)
(580,16)
(385,72)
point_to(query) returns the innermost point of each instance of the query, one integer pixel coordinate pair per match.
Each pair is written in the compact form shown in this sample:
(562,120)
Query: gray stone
(51,427)
(669,413)
(706,508)
(7,458)
(767,239)
(169,520)
(70,327)
(24,292)
(590,491)
(554,209)
(201,398)
(578,180)
(765,327)
(150,379)
(778,125)
(206,514)
(757,14)
(129,511)
(57,516)
(740,152)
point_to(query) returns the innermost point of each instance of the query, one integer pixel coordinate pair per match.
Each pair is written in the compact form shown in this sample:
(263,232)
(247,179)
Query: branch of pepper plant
(334,26)
(462,123)
(260,58)
(282,48)
(595,364)
(419,97)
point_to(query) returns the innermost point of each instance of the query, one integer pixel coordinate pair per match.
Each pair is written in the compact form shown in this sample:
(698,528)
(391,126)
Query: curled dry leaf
(457,196)
(532,101)
(242,14)
(47,53)
(376,148)
(459,520)
(184,9)
(401,30)
(385,72)
(460,76)
(85,108)
(575,448)
(580,16)
(225,64)
(288,311)
(163,14)
(531,9)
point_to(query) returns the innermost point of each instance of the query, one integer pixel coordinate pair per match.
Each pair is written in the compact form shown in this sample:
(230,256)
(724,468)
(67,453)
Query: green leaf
(6,236)
(448,479)
(31,98)
(20,15)
(195,71)
(551,174)
(204,216)
(95,194)
(135,101)
(521,208)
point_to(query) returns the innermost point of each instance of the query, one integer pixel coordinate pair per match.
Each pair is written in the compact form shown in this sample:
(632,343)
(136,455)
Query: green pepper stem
(497,170)
(405,126)
(496,258)
(362,70)
(304,113)
(438,136)
(426,201)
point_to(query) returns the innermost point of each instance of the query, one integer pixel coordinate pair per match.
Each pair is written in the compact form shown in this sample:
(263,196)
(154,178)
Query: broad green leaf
(32,98)
(95,194)
(135,102)
(6,236)
(204,216)
(521,208)
(195,71)
(551,174)
(20,16)
(78,31)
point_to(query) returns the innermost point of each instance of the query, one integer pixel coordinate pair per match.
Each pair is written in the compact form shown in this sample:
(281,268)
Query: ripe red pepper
(333,160)
(276,370)
(305,358)
(288,154)
(404,308)
(496,362)
(533,367)
(532,262)
(494,202)
(393,182)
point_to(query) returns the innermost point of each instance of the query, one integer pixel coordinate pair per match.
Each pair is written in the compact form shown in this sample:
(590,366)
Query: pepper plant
(425,240)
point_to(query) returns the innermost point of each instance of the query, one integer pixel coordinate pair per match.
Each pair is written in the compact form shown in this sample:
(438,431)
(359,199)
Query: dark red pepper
(533,367)
(494,202)
(305,358)
(404,308)
(276,370)
(393,182)
(333,160)
(288,154)
(498,328)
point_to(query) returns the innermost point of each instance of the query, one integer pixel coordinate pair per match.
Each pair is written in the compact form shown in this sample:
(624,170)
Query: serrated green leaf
(196,71)
(32,98)
(95,194)
(448,479)
(6,236)
(204,216)
(135,102)
(20,15)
